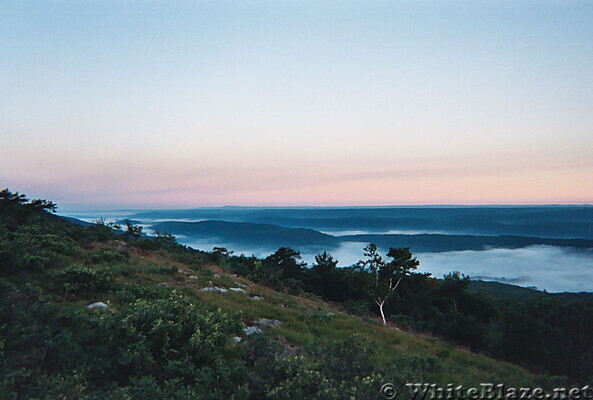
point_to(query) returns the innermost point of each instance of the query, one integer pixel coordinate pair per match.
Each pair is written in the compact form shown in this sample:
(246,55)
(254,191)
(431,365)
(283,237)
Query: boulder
(214,289)
(274,323)
(98,304)
(250,330)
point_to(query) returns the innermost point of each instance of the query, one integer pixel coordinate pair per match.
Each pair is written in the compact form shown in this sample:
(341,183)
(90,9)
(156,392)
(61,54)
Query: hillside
(89,314)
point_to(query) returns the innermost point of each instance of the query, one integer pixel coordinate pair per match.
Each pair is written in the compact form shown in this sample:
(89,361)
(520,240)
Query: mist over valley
(544,247)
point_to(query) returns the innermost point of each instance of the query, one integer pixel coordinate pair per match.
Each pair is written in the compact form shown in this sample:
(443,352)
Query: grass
(306,320)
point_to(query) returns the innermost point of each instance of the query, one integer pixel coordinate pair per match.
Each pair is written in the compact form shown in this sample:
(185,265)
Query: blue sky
(180,104)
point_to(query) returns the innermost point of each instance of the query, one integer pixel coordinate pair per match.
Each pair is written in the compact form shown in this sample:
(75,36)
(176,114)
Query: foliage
(80,280)
(333,370)
(155,342)
(382,278)
(109,256)
(16,209)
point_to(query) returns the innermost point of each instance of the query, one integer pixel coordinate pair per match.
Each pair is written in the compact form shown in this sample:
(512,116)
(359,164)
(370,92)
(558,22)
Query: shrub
(356,307)
(110,256)
(78,279)
(176,339)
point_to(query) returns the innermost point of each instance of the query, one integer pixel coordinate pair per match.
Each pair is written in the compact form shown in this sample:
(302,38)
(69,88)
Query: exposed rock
(257,298)
(193,277)
(237,339)
(216,276)
(214,289)
(98,304)
(240,284)
(162,284)
(274,323)
(236,289)
(250,330)
(331,314)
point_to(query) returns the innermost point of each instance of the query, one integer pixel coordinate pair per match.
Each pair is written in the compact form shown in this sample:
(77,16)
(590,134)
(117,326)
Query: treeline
(547,334)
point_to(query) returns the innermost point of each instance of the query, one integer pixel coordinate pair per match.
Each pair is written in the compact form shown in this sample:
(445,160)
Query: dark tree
(16,208)
(285,262)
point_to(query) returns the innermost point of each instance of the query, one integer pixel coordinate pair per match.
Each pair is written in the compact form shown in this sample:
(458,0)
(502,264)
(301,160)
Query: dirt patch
(214,268)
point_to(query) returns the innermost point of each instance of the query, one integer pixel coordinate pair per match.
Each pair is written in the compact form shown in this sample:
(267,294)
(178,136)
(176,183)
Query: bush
(175,339)
(78,279)
(31,249)
(337,370)
(110,256)
(357,307)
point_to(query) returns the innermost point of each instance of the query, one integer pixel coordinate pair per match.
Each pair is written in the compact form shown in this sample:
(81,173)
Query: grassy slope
(306,321)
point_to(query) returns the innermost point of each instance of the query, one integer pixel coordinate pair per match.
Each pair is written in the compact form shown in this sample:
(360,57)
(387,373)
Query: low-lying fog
(555,269)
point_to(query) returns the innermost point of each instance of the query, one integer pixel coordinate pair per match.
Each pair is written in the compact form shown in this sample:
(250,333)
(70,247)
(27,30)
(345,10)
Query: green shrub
(166,270)
(79,279)
(110,256)
(31,248)
(176,339)
(130,293)
(337,370)
(357,307)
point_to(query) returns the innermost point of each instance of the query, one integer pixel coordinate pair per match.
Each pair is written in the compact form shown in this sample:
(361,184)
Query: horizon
(158,105)
(73,211)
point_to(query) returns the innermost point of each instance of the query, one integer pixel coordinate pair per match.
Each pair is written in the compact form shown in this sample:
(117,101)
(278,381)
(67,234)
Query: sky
(156,104)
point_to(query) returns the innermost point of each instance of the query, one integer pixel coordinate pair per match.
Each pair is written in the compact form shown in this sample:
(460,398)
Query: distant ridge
(440,243)
(246,233)
(567,222)
(269,235)
(74,220)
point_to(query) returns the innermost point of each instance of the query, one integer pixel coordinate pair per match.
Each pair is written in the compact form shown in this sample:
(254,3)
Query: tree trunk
(382,313)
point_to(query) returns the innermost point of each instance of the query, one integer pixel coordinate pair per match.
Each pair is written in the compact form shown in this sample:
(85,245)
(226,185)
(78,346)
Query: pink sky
(112,104)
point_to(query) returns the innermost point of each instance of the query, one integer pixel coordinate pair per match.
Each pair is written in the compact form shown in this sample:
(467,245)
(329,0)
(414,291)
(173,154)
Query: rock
(216,276)
(250,330)
(237,339)
(274,323)
(215,289)
(179,270)
(240,284)
(98,304)
(162,284)
(236,289)
(331,314)
(191,277)
(257,298)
